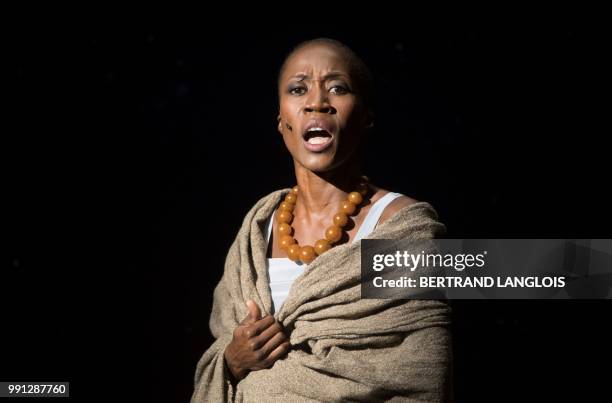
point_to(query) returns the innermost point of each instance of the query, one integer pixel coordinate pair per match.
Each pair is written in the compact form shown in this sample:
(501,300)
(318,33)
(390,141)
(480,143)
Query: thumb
(254,314)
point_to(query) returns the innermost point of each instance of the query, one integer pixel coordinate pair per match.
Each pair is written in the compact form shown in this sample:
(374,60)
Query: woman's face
(321,115)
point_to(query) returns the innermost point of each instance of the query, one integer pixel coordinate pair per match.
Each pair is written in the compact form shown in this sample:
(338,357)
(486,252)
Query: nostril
(320,109)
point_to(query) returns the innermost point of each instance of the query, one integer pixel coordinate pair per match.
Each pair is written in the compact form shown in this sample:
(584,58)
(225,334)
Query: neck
(320,194)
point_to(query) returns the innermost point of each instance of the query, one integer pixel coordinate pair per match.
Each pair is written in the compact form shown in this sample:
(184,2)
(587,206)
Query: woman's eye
(338,90)
(297,90)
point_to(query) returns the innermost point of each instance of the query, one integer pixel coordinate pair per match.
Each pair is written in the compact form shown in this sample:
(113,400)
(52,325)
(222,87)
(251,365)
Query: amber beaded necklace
(333,233)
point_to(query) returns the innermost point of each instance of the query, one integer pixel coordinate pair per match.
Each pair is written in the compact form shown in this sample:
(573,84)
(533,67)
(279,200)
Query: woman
(287,315)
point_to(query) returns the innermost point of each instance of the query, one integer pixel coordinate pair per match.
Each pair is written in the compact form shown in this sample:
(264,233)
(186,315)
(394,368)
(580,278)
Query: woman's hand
(256,343)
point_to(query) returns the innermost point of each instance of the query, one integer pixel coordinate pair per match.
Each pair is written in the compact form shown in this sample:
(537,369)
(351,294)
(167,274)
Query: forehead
(317,58)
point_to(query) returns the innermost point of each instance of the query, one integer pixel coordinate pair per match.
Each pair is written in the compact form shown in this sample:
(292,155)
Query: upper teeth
(316,129)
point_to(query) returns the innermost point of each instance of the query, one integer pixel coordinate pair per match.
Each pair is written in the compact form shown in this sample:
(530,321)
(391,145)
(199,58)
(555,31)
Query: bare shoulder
(395,206)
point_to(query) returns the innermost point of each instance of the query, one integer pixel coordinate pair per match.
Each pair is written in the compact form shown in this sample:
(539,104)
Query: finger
(268,333)
(278,352)
(254,329)
(274,342)
(254,314)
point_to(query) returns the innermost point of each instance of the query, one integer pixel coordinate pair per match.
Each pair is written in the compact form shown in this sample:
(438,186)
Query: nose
(318,101)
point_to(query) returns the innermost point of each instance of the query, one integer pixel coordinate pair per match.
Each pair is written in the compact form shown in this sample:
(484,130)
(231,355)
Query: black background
(133,154)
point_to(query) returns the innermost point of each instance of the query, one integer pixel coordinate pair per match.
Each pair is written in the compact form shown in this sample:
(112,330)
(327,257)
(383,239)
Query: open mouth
(317,136)
(317,139)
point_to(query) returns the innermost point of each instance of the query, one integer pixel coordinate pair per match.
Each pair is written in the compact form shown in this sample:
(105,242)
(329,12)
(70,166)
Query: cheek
(289,110)
(288,116)
(351,115)
(348,105)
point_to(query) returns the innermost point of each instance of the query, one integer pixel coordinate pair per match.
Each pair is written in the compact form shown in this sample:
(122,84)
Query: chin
(318,163)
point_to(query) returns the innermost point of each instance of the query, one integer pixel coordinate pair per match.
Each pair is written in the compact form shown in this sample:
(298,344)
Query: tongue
(318,140)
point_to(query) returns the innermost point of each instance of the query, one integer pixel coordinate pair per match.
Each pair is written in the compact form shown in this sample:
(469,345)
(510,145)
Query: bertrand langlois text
(494,268)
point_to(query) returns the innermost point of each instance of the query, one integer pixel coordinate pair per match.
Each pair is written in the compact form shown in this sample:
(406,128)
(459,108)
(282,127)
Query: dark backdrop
(134,153)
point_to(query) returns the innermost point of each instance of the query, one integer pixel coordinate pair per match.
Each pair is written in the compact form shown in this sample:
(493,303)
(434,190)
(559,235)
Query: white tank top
(283,271)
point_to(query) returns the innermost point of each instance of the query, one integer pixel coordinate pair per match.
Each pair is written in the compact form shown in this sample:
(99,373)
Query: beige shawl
(343,348)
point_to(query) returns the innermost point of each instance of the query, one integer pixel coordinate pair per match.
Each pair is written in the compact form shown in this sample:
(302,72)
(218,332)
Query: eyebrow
(328,76)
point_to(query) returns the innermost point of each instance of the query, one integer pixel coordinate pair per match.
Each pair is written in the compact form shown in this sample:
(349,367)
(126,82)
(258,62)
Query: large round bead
(286,206)
(290,198)
(347,207)
(285,241)
(293,252)
(340,219)
(294,190)
(284,216)
(322,246)
(355,197)
(333,233)
(307,254)
(284,229)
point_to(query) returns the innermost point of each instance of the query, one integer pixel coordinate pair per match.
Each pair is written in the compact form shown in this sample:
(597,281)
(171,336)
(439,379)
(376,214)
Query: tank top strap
(269,229)
(371,220)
